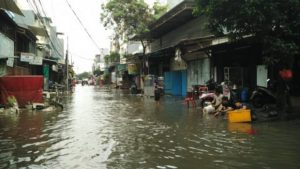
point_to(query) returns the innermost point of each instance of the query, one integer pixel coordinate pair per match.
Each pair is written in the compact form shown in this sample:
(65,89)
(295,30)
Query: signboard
(10,62)
(27,57)
(36,61)
(121,67)
(55,68)
(132,69)
(6,47)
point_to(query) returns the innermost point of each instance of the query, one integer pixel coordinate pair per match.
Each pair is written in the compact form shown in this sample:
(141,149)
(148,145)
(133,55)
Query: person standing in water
(156,95)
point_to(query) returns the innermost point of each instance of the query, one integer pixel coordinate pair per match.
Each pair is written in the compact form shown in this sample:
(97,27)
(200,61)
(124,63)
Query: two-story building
(175,37)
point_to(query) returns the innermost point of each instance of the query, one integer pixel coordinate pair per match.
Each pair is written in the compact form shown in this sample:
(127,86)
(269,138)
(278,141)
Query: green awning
(10,5)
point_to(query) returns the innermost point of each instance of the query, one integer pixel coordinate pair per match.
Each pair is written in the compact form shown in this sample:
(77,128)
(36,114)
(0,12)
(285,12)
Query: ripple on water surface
(110,129)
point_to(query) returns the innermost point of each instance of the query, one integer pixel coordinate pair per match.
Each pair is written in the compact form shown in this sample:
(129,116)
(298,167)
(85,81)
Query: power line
(42,7)
(34,10)
(83,25)
(81,57)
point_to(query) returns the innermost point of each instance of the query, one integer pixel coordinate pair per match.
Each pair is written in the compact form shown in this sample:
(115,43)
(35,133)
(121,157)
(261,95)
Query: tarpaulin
(26,89)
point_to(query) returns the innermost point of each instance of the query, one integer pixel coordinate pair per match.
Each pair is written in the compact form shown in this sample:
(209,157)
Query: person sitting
(224,107)
(239,105)
(217,101)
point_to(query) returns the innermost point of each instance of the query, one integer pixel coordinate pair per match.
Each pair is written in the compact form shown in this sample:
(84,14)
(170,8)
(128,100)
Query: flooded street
(110,129)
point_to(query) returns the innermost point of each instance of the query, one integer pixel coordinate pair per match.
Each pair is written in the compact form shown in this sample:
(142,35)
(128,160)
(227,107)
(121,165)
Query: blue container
(244,95)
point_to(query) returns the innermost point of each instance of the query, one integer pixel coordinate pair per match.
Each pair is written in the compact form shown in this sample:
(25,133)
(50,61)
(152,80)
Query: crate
(240,115)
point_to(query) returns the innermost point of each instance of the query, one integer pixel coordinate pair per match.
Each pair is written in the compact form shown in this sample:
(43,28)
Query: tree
(112,57)
(130,18)
(275,23)
(84,75)
(98,72)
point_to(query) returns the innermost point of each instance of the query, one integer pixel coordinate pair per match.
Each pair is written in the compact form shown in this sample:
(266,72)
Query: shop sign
(10,62)
(121,67)
(36,61)
(132,69)
(27,57)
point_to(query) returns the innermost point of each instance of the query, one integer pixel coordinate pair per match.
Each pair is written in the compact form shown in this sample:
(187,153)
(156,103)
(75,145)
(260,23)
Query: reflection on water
(110,129)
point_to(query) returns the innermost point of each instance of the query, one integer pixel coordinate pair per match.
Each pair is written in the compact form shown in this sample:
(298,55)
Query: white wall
(172,3)
(6,47)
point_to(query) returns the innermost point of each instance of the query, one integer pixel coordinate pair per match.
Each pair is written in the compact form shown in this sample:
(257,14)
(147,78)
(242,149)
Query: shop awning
(10,5)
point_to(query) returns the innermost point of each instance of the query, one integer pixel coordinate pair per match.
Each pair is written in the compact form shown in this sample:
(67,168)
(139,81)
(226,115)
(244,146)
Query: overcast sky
(81,47)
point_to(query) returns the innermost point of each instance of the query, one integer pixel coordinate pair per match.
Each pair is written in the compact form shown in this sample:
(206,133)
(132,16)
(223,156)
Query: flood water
(110,129)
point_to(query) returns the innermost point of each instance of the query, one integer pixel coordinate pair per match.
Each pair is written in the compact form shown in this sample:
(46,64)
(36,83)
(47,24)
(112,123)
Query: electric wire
(43,11)
(81,57)
(85,29)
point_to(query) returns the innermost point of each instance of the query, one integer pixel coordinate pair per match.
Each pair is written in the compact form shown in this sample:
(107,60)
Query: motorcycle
(264,95)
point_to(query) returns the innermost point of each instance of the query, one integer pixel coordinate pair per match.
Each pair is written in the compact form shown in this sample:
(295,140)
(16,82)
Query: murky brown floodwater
(100,129)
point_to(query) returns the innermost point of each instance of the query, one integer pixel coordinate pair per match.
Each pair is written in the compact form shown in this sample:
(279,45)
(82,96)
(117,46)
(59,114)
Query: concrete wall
(6,46)
(196,28)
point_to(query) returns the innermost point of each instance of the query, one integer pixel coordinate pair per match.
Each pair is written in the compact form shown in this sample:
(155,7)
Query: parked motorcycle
(264,95)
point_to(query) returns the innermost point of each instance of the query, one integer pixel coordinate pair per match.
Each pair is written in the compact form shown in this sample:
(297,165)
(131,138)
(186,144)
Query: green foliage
(11,101)
(112,57)
(127,17)
(106,78)
(106,59)
(84,75)
(98,72)
(275,23)
(130,17)
(159,10)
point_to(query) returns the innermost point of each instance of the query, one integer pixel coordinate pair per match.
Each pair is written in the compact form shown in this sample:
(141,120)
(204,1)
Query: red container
(25,88)
(286,74)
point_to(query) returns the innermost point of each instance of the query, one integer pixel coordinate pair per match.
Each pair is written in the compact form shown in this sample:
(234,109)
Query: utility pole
(67,64)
